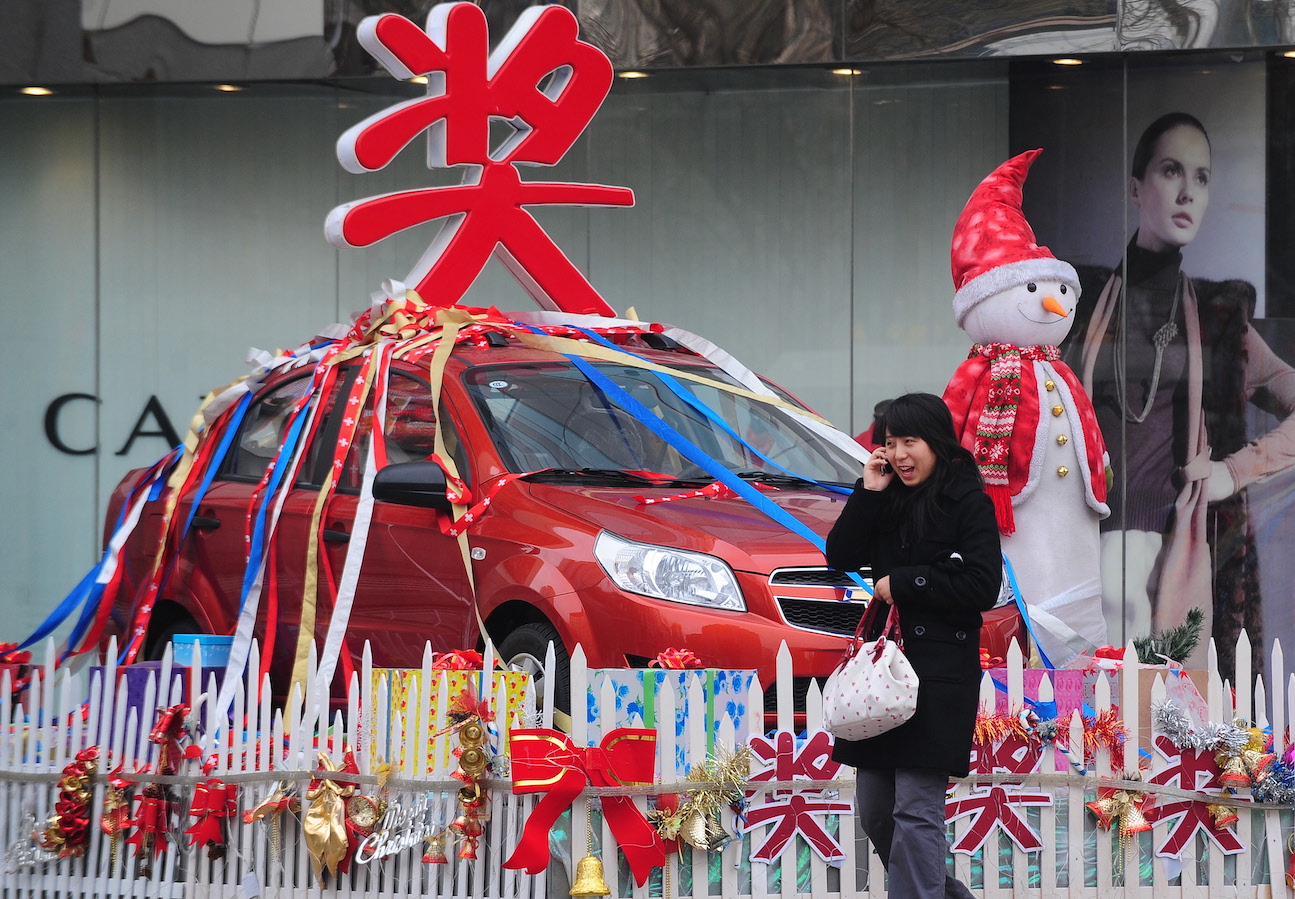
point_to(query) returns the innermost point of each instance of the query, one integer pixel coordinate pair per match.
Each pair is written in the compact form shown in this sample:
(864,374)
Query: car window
(410,430)
(263,429)
(549,415)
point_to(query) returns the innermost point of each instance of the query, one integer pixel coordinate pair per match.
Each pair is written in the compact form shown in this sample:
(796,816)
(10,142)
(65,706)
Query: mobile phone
(886,469)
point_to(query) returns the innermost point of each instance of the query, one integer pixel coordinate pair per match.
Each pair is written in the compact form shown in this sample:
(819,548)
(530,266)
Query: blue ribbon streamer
(226,438)
(282,461)
(699,457)
(87,593)
(1025,614)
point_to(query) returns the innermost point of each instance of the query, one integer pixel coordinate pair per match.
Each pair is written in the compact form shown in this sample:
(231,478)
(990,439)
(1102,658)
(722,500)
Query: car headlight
(671,574)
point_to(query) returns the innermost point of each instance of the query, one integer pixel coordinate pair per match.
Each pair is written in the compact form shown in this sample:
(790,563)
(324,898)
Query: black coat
(940,600)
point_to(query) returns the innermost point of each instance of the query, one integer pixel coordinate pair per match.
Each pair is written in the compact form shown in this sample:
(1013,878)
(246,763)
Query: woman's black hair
(926,416)
(1152,134)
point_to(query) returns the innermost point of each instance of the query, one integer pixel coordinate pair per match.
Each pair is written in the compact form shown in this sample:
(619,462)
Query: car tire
(160,637)
(525,648)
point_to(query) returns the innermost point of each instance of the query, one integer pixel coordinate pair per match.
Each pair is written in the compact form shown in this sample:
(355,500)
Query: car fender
(530,579)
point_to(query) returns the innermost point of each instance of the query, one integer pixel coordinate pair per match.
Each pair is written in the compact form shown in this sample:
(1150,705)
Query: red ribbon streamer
(546,761)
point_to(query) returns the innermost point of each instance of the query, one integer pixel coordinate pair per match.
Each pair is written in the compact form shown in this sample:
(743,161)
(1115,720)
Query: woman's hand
(877,473)
(1220,484)
(881,590)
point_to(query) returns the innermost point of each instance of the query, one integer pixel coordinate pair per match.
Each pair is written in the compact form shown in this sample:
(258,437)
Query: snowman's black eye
(1063,288)
(1031,287)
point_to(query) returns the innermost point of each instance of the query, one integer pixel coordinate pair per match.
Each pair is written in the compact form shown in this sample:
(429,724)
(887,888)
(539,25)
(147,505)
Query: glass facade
(798,217)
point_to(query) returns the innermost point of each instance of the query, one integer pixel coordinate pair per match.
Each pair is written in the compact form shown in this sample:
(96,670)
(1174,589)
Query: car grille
(814,599)
(799,689)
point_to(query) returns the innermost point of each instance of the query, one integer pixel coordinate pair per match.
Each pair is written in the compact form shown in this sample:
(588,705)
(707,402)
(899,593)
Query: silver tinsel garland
(1174,723)
(1276,785)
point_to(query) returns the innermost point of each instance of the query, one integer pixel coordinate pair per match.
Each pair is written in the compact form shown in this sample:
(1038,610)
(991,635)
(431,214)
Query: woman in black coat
(920,518)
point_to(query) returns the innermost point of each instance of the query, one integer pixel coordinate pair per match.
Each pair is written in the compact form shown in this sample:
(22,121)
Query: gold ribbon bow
(324,824)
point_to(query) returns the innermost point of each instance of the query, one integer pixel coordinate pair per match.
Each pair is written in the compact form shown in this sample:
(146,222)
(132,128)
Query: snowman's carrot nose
(1050,303)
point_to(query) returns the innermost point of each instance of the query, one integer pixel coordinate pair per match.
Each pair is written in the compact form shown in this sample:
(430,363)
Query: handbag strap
(890,629)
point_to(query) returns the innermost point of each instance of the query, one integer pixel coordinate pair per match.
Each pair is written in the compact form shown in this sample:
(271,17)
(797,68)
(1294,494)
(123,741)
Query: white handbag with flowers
(874,689)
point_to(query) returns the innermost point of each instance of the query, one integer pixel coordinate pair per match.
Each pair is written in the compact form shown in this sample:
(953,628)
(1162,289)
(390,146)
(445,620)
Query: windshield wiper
(775,479)
(612,475)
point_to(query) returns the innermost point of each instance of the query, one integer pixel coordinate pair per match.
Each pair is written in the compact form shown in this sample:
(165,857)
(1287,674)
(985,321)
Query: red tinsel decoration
(67,830)
(1106,730)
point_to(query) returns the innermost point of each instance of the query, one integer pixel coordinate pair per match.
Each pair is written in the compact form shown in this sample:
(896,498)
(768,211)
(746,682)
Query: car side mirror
(412,484)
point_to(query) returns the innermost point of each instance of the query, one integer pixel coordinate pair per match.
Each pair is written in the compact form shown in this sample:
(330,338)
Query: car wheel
(159,637)
(525,648)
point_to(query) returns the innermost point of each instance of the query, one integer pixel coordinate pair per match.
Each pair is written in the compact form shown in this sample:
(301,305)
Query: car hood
(732,529)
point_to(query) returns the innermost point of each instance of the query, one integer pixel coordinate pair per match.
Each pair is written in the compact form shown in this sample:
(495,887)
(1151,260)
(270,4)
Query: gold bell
(589,878)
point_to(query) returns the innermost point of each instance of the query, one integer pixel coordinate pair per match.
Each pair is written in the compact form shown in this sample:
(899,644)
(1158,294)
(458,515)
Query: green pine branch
(1176,643)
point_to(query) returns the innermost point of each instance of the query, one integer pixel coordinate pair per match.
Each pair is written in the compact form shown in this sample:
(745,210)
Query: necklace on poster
(1164,336)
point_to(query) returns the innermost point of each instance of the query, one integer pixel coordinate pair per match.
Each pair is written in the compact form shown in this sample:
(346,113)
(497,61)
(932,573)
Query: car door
(413,585)
(214,557)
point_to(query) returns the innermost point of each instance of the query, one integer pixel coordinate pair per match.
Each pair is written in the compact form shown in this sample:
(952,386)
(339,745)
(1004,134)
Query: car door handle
(331,536)
(205,523)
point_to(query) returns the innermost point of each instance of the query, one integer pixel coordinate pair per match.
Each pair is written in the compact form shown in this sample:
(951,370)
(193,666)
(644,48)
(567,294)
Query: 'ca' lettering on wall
(152,413)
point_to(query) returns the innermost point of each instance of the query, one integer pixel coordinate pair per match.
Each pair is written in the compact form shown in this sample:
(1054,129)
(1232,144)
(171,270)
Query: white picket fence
(40,735)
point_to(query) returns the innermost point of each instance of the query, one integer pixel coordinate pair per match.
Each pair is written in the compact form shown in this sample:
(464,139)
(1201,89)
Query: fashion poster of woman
(1152,184)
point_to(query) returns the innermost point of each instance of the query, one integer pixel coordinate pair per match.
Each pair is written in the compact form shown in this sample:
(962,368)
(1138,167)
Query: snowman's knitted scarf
(994,429)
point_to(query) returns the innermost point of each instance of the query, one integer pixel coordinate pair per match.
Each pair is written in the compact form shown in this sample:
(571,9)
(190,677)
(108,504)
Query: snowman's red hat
(993,245)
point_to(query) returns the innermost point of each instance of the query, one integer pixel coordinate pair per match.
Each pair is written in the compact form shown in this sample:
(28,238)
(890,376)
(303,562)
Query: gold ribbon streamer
(310,591)
(451,320)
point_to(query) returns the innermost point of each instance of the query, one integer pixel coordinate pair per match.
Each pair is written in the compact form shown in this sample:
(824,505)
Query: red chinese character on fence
(996,807)
(792,813)
(542,80)
(1198,772)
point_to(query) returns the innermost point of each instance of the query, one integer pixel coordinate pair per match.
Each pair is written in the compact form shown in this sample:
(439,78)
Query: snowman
(1025,417)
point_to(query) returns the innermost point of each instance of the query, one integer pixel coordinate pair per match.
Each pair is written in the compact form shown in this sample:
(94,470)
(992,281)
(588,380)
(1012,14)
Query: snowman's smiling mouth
(1052,320)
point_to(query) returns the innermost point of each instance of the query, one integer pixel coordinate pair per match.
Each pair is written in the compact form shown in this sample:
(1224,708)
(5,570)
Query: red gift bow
(212,802)
(546,761)
(167,733)
(151,820)
(676,659)
(459,660)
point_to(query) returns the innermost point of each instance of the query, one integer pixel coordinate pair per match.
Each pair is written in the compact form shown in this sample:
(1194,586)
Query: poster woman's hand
(877,473)
(1221,484)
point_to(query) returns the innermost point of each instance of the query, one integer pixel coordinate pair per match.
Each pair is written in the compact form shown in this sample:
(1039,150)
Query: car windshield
(549,416)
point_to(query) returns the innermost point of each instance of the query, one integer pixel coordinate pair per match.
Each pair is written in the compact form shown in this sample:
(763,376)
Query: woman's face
(1174,193)
(912,459)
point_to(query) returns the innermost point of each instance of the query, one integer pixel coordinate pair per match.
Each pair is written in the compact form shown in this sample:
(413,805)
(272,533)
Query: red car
(568,552)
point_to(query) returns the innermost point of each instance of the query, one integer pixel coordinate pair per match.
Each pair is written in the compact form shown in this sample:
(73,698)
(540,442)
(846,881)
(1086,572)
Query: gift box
(1185,687)
(136,677)
(636,696)
(215,649)
(398,683)
(1072,690)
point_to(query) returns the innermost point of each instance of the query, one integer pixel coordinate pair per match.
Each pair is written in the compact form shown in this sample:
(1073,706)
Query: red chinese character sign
(1196,771)
(793,813)
(542,80)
